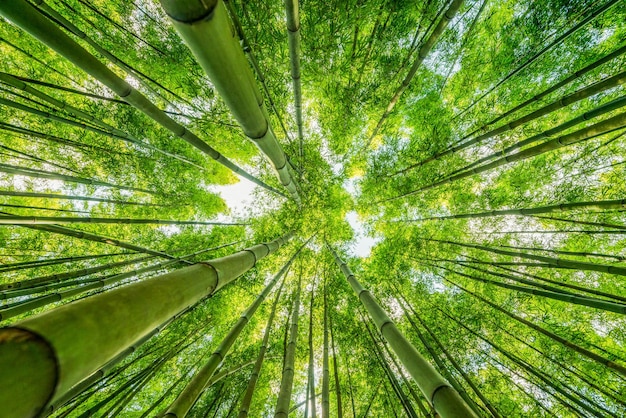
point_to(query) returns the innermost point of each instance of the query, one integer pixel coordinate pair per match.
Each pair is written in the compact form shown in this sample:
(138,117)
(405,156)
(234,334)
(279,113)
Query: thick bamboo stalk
(444,399)
(70,197)
(583,351)
(44,356)
(192,391)
(207,23)
(585,92)
(421,55)
(550,294)
(78,113)
(600,205)
(293,32)
(44,174)
(30,20)
(51,220)
(325,366)
(254,376)
(286,383)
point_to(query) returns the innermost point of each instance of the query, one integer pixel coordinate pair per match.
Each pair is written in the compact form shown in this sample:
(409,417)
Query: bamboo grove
(358,208)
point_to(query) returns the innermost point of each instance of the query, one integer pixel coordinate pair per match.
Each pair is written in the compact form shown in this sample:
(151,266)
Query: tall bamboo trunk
(293,36)
(69,197)
(325,366)
(46,355)
(311,371)
(226,66)
(421,55)
(192,391)
(254,376)
(444,399)
(30,20)
(286,383)
(335,368)
(51,220)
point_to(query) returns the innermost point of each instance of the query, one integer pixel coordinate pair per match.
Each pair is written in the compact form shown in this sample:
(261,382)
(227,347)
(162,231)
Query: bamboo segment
(50,220)
(599,205)
(326,368)
(30,20)
(286,383)
(591,90)
(293,31)
(44,356)
(254,377)
(190,394)
(444,399)
(206,23)
(421,55)
(69,197)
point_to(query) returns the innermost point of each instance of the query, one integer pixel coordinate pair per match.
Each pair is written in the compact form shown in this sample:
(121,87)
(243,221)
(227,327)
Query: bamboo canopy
(54,359)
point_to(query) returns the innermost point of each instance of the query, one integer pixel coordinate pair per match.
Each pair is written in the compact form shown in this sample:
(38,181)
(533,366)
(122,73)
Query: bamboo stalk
(325,366)
(421,55)
(30,20)
(192,391)
(311,371)
(46,355)
(70,197)
(444,399)
(293,32)
(51,220)
(335,369)
(254,376)
(226,66)
(286,382)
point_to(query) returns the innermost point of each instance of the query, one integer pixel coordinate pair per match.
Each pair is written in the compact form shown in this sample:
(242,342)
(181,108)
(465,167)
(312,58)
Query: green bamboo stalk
(580,350)
(109,130)
(592,15)
(26,156)
(600,205)
(70,197)
(293,32)
(192,391)
(43,360)
(44,174)
(578,222)
(326,367)
(30,20)
(226,66)
(335,368)
(559,262)
(311,371)
(598,111)
(14,289)
(51,220)
(68,89)
(572,77)
(445,352)
(583,93)
(550,294)
(286,383)
(444,399)
(254,377)
(85,285)
(421,55)
(23,265)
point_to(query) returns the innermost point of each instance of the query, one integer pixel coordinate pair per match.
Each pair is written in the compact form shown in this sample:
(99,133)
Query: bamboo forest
(348,208)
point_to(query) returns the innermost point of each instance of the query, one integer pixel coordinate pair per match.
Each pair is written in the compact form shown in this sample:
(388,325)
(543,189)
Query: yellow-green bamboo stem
(325,366)
(70,197)
(286,383)
(444,399)
(51,220)
(421,55)
(192,391)
(26,16)
(207,31)
(44,356)
(293,33)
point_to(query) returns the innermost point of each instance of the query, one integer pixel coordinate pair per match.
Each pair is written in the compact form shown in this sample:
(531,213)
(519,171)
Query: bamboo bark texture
(30,20)
(190,394)
(444,399)
(44,356)
(206,29)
